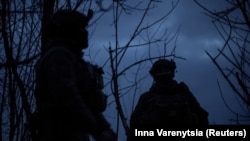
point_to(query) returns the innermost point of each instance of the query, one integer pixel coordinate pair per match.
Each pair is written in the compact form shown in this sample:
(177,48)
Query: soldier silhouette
(68,90)
(167,103)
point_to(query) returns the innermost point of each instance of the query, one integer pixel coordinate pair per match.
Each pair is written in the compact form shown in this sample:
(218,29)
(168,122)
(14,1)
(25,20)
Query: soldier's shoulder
(58,51)
(182,85)
(59,54)
(55,56)
(146,95)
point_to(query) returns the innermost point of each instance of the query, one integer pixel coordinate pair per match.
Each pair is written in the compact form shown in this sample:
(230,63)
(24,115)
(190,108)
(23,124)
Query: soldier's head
(68,25)
(163,70)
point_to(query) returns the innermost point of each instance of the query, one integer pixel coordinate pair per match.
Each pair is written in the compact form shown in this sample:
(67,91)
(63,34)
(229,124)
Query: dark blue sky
(196,35)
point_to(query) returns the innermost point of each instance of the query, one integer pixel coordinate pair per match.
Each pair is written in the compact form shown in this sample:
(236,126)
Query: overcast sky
(197,34)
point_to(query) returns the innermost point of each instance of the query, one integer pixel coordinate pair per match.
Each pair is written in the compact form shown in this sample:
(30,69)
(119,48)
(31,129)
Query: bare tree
(232,59)
(119,51)
(20,29)
(22,42)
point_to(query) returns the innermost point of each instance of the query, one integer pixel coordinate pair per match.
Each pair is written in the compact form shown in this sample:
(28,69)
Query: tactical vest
(172,108)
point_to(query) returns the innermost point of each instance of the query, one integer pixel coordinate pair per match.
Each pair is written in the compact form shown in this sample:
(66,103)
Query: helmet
(68,24)
(162,64)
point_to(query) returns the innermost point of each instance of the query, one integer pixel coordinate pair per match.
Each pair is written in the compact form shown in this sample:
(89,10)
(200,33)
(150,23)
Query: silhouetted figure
(167,103)
(68,92)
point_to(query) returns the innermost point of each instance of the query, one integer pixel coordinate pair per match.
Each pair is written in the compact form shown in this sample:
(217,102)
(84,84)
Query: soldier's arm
(140,107)
(62,82)
(195,105)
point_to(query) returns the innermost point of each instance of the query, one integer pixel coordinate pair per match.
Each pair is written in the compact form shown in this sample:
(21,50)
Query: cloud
(197,34)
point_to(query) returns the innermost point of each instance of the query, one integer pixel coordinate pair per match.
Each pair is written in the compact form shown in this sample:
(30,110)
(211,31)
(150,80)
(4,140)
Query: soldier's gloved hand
(107,135)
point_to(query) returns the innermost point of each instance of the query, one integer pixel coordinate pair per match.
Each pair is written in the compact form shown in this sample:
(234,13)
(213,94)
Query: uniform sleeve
(140,107)
(201,113)
(62,82)
(135,117)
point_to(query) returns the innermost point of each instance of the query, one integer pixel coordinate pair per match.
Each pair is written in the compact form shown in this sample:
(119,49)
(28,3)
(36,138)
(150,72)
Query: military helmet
(67,24)
(162,64)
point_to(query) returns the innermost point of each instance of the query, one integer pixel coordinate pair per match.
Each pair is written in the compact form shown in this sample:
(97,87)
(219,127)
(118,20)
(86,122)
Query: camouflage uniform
(69,103)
